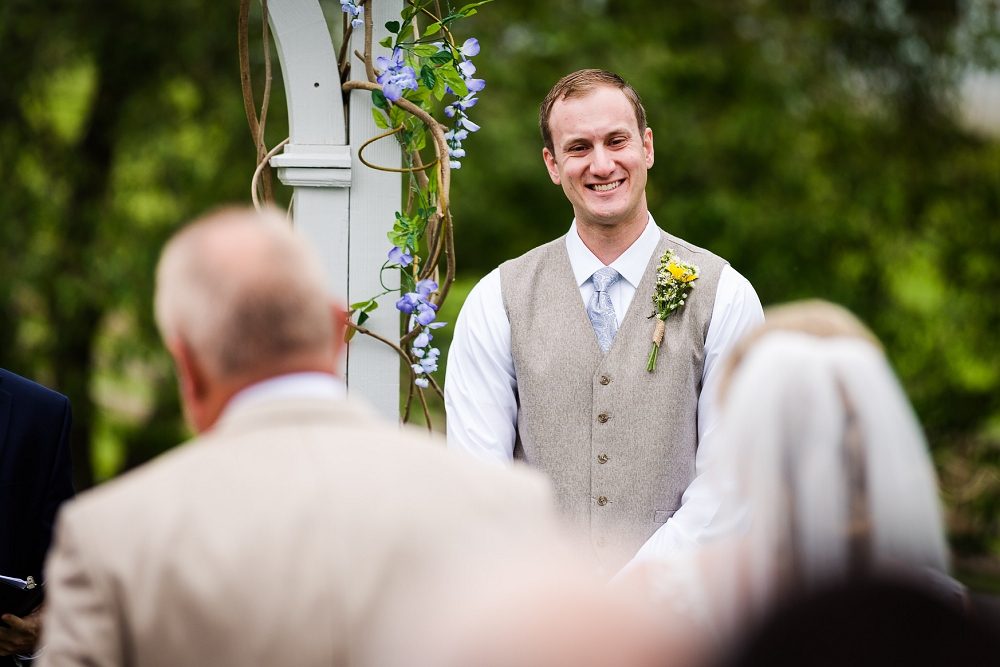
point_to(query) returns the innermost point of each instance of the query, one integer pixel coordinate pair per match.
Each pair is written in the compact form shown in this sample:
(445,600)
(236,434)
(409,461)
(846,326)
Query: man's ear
(339,316)
(647,143)
(190,376)
(191,382)
(550,164)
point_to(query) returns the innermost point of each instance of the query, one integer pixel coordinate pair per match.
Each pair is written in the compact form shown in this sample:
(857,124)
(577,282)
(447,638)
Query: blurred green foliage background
(817,145)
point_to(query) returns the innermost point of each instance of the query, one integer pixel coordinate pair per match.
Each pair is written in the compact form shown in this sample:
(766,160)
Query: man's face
(600,156)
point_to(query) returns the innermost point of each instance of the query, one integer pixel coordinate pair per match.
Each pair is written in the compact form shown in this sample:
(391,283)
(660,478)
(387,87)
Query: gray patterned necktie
(601,310)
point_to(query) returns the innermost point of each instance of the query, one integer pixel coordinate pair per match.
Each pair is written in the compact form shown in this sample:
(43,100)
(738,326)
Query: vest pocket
(661,516)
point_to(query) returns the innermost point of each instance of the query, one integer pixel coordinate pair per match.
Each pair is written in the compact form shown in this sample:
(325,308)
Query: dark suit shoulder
(32,392)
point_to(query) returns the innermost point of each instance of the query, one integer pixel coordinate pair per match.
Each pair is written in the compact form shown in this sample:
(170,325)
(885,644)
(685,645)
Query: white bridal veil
(795,406)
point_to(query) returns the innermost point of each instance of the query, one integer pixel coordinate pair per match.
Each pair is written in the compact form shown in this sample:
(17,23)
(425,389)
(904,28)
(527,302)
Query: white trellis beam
(373,367)
(341,208)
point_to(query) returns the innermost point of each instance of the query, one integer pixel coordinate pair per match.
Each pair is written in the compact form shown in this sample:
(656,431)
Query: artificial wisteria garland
(424,67)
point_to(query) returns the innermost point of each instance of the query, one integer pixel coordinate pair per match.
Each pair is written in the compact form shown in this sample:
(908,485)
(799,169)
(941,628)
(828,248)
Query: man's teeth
(606,186)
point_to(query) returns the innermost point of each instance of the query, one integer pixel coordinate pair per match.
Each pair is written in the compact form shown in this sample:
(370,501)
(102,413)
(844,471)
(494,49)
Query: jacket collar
(295,412)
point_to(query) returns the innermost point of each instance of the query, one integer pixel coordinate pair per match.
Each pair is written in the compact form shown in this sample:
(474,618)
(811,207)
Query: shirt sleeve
(480,386)
(736,312)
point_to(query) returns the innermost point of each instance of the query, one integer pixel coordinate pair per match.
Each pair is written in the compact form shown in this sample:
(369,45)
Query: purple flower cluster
(455,150)
(458,108)
(428,358)
(400,256)
(396,75)
(351,8)
(423,312)
(418,305)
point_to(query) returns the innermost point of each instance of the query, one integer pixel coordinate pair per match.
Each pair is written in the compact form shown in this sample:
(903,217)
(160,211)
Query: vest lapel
(580,318)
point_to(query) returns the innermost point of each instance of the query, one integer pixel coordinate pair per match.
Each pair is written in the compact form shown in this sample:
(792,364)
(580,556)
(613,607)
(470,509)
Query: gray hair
(242,291)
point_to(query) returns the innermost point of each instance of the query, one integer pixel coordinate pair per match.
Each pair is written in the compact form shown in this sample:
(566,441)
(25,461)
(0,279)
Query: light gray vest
(618,442)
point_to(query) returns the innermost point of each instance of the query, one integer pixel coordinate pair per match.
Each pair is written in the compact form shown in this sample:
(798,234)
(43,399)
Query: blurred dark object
(875,623)
(986,608)
(36,477)
(36,474)
(19,601)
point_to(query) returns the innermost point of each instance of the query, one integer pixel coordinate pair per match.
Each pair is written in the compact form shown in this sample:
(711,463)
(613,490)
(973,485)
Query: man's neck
(608,242)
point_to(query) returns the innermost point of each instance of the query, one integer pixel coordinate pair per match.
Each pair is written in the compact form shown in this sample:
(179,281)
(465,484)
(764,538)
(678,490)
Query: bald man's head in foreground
(240,299)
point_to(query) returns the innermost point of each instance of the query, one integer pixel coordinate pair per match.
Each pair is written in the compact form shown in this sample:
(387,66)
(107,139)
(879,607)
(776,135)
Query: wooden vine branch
(265,103)
(369,27)
(408,361)
(398,170)
(345,66)
(261,166)
(246,83)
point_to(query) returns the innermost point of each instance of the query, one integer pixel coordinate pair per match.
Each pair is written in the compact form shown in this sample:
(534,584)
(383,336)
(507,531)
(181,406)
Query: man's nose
(602,164)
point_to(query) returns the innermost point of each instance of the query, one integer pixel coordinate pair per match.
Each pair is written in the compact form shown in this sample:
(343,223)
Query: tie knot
(605,278)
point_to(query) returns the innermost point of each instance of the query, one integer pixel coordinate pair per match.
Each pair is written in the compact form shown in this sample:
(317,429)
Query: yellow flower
(691,277)
(676,271)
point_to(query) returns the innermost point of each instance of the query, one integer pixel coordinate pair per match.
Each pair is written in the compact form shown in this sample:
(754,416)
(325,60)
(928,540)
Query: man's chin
(607,216)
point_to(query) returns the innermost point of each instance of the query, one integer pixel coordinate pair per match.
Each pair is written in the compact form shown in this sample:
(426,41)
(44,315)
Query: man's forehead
(601,111)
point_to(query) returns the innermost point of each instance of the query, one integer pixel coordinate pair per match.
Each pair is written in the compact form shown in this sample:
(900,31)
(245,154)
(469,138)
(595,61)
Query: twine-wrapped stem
(661,326)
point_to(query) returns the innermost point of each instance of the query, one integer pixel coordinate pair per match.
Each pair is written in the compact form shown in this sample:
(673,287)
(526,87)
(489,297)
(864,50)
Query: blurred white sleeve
(480,386)
(737,311)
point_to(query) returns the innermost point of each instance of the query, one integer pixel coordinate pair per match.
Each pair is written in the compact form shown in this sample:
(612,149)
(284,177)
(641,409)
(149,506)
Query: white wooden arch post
(342,208)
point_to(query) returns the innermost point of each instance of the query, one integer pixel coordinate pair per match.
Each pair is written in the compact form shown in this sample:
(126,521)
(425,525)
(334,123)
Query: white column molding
(314,166)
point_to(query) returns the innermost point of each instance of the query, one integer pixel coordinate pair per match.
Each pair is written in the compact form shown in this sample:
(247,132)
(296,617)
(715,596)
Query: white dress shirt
(289,386)
(480,386)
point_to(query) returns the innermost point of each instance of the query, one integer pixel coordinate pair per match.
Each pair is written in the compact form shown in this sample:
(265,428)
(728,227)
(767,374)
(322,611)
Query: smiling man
(548,364)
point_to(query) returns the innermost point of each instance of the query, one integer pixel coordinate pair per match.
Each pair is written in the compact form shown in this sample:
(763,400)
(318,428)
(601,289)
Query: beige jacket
(295,533)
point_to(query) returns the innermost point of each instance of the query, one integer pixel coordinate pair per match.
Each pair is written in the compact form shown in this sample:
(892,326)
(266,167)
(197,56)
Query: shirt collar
(631,264)
(290,386)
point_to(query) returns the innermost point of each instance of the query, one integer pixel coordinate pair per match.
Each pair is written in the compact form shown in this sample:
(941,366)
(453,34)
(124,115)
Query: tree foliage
(812,144)
(116,124)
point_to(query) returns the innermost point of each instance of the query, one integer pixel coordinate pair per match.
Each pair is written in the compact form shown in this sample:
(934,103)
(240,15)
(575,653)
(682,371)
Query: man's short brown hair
(580,83)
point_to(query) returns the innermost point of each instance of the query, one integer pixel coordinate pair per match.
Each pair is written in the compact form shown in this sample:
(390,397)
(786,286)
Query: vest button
(603,418)
(605,380)
(602,458)
(600,542)
(602,501)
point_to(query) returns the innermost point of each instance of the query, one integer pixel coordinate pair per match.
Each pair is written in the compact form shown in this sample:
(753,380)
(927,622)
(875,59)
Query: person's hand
(22,635)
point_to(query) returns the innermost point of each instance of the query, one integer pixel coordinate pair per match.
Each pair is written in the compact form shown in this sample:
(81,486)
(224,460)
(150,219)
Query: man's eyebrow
(623,129)
(574,140)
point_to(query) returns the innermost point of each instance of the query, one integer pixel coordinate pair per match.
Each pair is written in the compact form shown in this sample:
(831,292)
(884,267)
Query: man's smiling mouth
(606,187)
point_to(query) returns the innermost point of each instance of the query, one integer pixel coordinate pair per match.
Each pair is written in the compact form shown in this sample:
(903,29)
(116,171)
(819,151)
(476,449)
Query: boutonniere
(674,281)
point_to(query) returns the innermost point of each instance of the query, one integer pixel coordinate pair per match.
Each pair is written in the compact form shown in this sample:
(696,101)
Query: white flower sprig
(674,281)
